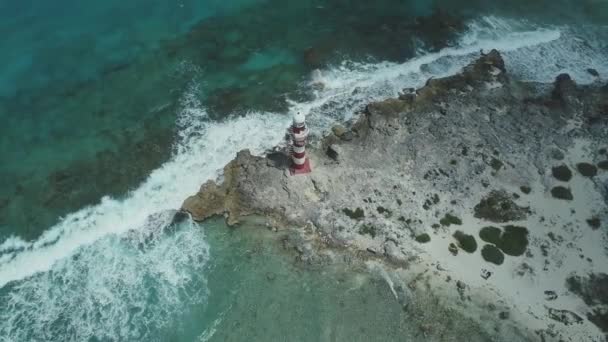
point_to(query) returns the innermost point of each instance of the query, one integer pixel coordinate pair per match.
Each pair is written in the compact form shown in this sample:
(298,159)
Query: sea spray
(341,91)
(531,53)
(204,148)
(119,288)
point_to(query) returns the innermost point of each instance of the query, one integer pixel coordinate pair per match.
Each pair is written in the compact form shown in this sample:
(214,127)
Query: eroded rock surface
(458,147)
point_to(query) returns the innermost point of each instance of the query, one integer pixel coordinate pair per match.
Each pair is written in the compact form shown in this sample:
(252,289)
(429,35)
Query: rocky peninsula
(489,190)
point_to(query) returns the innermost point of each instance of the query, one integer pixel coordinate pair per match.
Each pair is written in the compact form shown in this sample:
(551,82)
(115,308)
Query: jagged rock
(593,72)
(487,68)
(278,159)
(498,206)
(485,274)
(207,202)
(392,251)
(334,151)
(599,317)
(245,179)
(339,130)
(564,316)
(557,154)
(408,97)
(348,136)
(388,108)
(550,295)
(179,217)
(453,249)
(593,289)
(564,88)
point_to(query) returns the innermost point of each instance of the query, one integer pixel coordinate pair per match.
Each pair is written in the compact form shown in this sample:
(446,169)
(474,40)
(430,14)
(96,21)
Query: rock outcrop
(474,116)
(383,184)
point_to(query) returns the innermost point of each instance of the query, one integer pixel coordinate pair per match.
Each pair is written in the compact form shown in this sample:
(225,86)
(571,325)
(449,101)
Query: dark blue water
(113,112)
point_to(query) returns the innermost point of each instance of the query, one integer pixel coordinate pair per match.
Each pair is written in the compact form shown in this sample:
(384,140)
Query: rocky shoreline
(498,187)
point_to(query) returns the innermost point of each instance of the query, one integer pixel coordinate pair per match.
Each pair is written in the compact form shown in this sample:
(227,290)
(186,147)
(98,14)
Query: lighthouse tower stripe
(299,162)
(297,130)
(299,134)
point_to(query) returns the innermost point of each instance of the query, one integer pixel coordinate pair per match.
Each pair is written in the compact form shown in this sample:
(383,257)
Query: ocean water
(115,112)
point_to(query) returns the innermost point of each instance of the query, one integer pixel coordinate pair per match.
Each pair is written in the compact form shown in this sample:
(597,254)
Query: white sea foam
(537,54)
(351,85)
(117,289)
(203,149)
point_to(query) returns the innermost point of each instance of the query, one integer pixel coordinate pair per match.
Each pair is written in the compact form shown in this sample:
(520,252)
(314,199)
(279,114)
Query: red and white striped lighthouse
(299,134)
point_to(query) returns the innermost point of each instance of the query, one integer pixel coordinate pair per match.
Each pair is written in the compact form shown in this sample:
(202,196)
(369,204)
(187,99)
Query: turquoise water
(114,112)
(209,282)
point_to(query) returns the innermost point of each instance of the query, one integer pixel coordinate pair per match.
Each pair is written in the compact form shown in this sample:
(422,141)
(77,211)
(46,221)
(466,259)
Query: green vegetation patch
(514,240)
(357,214)
(449,219)
(492,254)
(490,234)
(525,189)
(562,173)
(587,169)
(496,164)
(368,230)
(562,193)
(383,211)
(594,223)
(423,238)
(465,241)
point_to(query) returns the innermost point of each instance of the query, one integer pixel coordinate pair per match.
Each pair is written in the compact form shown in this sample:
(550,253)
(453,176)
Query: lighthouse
(299,135)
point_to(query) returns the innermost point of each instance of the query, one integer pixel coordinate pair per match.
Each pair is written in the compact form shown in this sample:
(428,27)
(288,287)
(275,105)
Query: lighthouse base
(304,169)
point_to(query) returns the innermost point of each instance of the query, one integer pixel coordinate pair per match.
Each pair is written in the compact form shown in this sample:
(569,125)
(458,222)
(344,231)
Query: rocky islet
(335,207)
